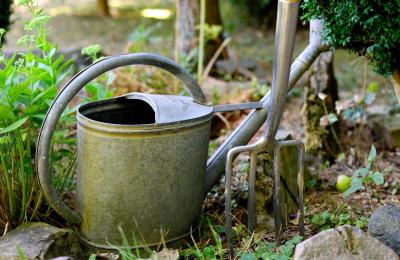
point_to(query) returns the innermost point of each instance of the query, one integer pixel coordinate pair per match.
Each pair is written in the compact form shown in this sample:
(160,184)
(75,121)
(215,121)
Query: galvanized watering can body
(144,177)
(141,159)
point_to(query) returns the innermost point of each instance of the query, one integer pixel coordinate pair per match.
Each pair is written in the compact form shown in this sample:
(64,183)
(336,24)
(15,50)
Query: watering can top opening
(139,109)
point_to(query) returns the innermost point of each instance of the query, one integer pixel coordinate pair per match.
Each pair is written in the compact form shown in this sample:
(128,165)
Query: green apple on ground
(343,182)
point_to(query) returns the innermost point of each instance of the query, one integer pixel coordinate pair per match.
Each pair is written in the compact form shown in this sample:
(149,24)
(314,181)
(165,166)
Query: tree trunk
(396,83)
(5,14)
(321,139)
(103,7)
(187,19)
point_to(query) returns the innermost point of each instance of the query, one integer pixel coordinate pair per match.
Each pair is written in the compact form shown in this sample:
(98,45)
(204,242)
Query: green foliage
(98,89)
(28,86)
(337,217)
(20,253)
(92,51)
(354,110)
(209,251)
(124,250)
(142,36)
(364,177)
(366,27)
(246,246)
(267,250)
(258,90)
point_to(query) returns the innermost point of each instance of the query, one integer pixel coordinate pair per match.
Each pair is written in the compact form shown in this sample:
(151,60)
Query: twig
(215,57)
(201,41)
(226,122)
(6,228)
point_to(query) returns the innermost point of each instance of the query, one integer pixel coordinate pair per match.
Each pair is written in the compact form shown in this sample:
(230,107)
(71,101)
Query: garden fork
(283,51)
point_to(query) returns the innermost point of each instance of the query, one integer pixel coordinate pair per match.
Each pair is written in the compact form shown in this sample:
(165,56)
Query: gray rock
(38,240)
(387,127)
(343,243)
(384,225)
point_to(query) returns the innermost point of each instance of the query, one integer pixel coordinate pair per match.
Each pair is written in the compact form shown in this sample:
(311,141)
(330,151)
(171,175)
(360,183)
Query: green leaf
(24,2)
(341,157)
(372,156)
(49,93)
(360,172)
(6,113)
(208,253)
(248,256)
(31,109)
(13,126)
(46,68)
(356,184)
(91,89)
(372,87)
(37,22)
(378,178)
(332,118)
(25,40)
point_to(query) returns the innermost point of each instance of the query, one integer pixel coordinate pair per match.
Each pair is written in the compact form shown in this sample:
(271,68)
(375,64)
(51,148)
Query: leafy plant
(125,251)
(258,90)
(366,27)
(209,251)
(353,110)
(142,36)
(98,89)
(337,217)
(28,85)
(267,250)
(364,177)
(92,51)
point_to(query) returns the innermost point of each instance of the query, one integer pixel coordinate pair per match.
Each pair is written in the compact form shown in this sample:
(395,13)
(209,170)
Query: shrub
(366,27)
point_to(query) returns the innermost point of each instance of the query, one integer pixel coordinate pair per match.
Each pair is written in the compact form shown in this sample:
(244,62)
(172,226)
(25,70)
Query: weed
(364,177)
(208,251)
(266,250)
(337,217)
(27,87)
(142,36)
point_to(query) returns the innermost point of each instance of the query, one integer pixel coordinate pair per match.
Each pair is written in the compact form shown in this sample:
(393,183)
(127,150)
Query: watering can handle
(68,93)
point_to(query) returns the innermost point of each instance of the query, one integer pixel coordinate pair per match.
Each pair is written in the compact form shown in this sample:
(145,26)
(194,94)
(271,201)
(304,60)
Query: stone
(343,243)
(384,225)
(387,127)
(37,240)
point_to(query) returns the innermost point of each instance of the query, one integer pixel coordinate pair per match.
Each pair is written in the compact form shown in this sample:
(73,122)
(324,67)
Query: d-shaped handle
(66,95)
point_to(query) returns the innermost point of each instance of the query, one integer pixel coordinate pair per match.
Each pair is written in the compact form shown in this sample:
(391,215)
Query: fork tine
(251,199)
(276,197)
(300,185)
(228,198)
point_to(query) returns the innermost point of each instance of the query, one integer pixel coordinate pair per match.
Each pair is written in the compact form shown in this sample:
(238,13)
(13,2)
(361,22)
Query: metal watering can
(142,158)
